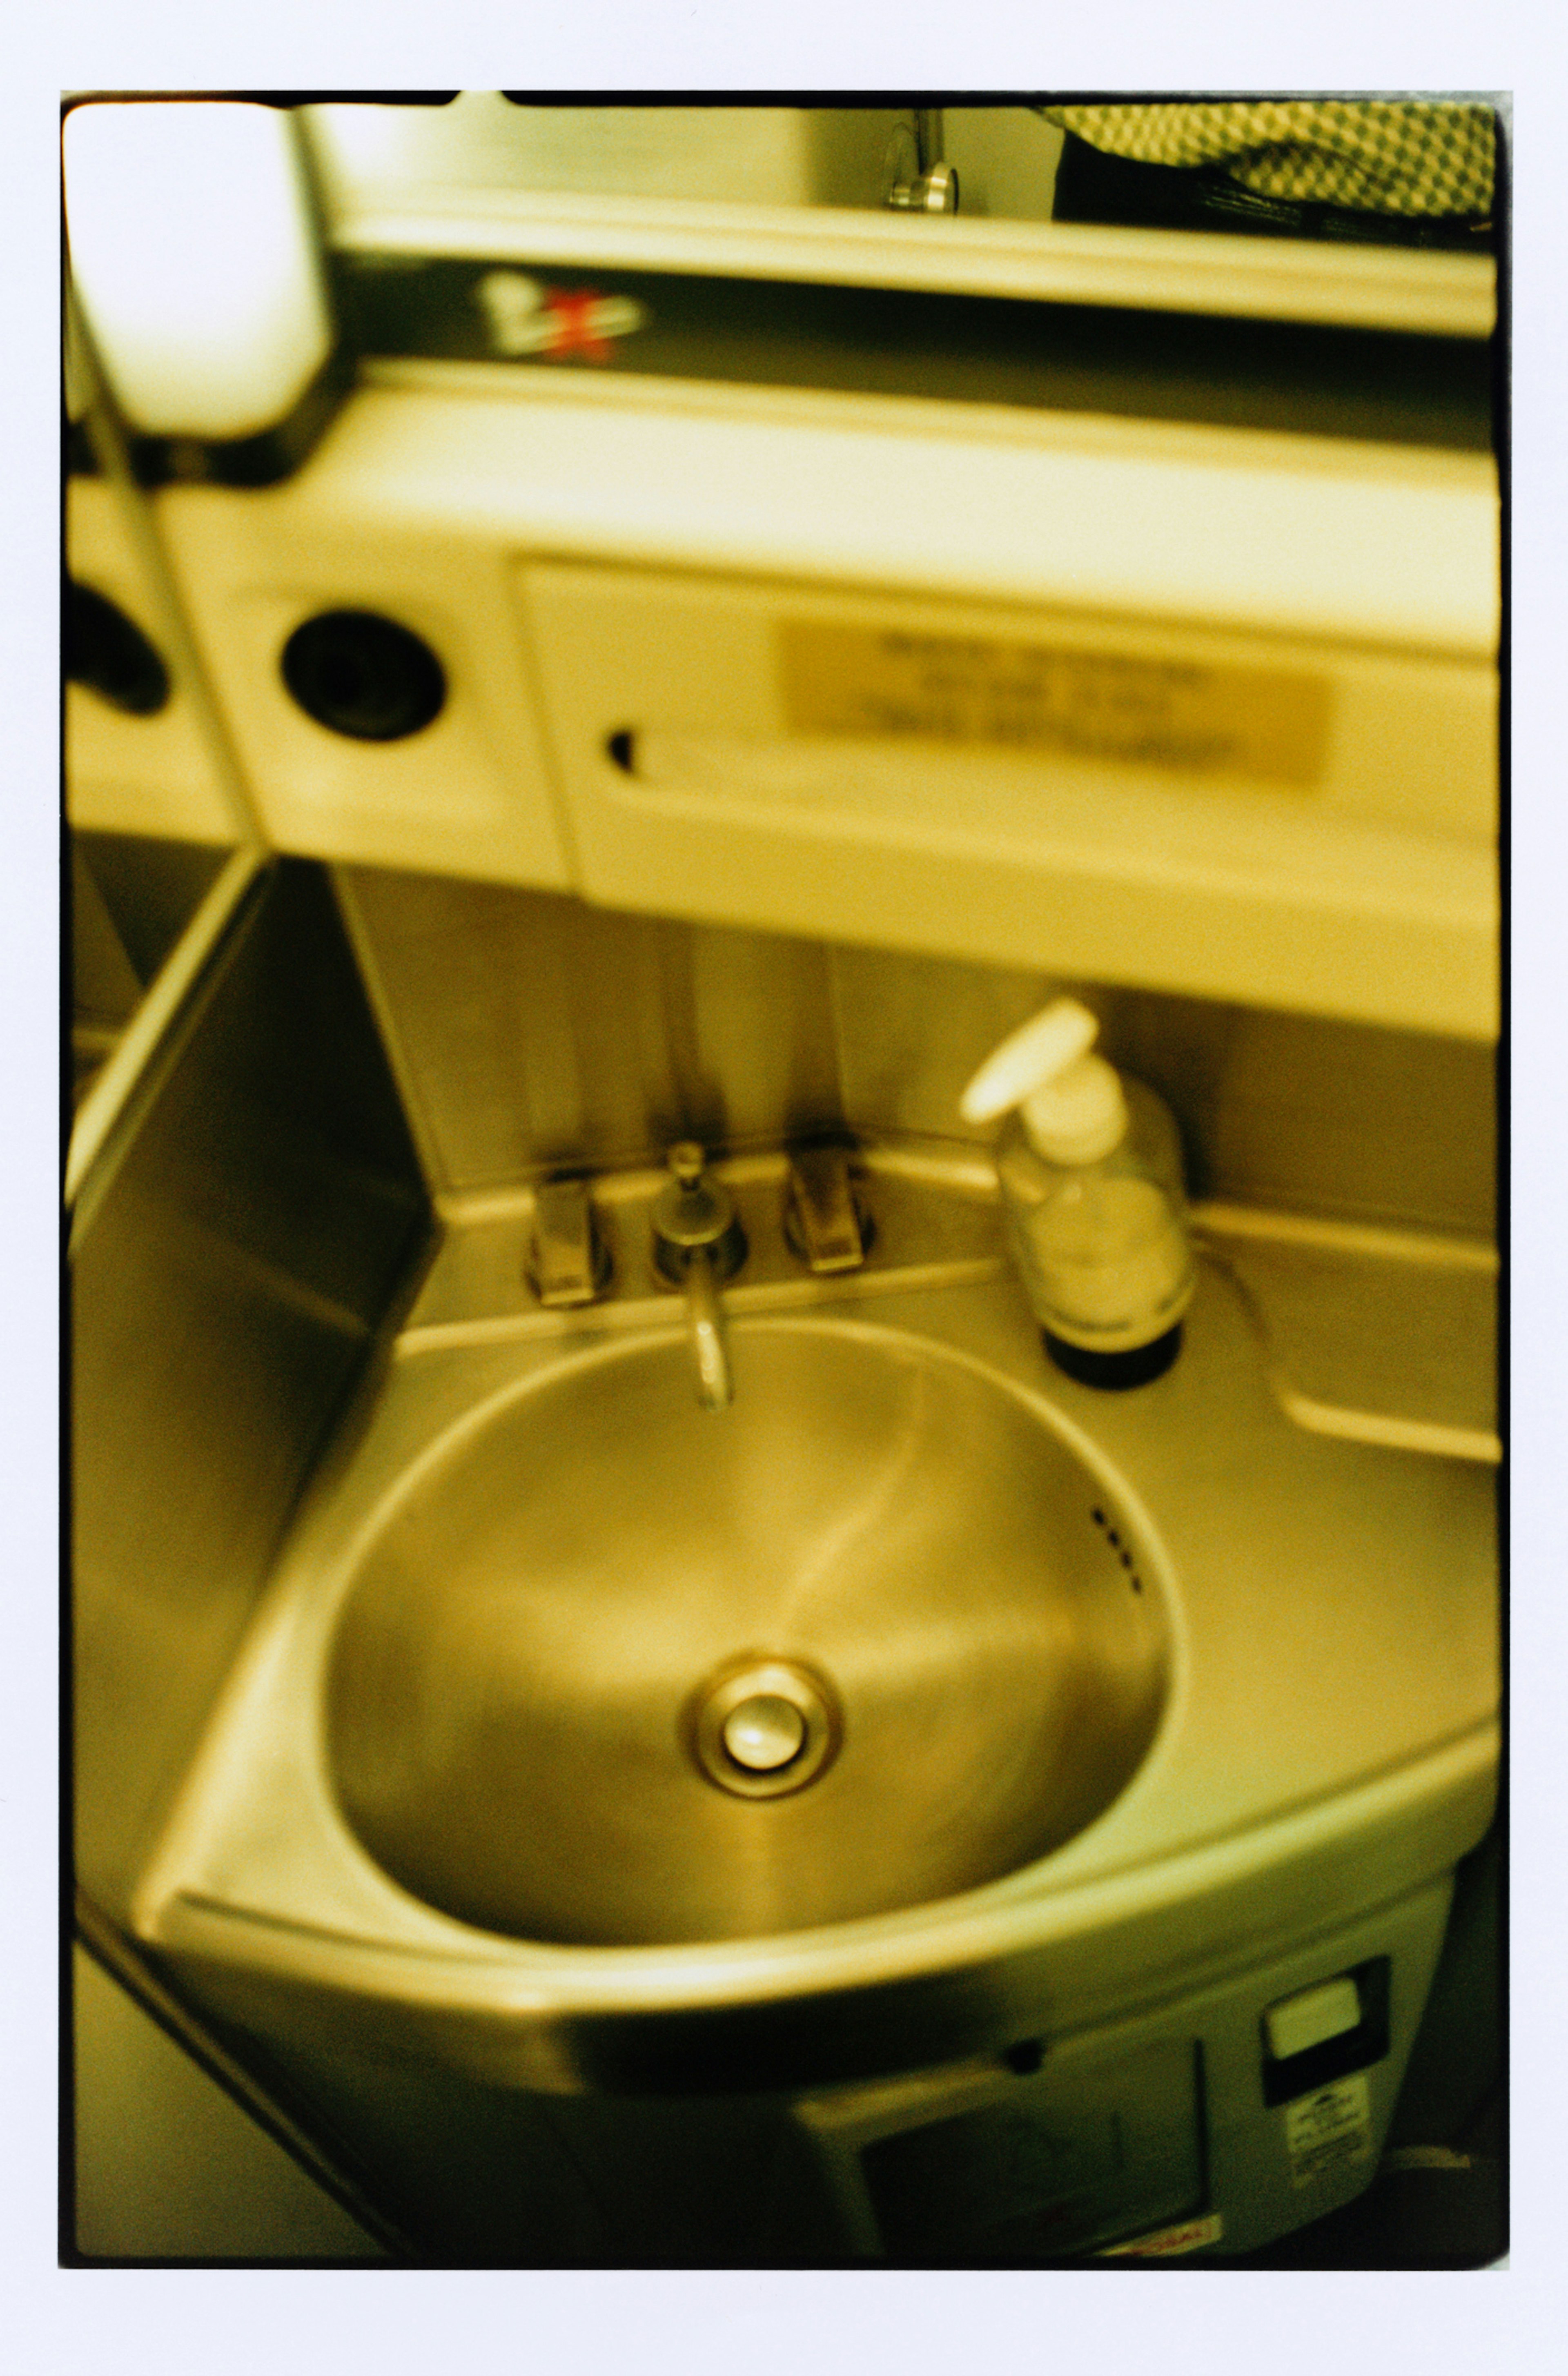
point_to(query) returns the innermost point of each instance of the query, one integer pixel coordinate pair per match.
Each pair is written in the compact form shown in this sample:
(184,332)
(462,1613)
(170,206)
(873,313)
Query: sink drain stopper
(764,1728)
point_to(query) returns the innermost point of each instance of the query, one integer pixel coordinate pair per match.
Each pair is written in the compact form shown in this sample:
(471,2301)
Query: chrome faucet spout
(710,1339)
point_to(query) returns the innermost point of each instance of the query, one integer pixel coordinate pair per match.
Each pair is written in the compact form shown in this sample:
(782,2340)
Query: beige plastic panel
(1341,863)
(468,794)
(1366,546)
(125,774)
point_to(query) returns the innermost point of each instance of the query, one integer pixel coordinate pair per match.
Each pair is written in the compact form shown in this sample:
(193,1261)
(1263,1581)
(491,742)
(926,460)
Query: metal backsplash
(531,1032)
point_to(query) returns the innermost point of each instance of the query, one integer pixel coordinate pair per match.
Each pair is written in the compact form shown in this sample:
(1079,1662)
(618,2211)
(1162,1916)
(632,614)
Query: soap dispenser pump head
(1070,1102)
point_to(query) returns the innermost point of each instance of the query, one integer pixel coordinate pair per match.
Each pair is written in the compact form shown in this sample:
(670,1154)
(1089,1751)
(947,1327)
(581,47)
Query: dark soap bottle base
(1115,1372)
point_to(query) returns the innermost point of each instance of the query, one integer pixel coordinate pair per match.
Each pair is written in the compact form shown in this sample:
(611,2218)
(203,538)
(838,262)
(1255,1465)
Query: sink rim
(639,2020)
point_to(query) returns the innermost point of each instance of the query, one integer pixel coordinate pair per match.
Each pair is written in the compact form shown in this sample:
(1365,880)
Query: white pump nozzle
(1071,1102)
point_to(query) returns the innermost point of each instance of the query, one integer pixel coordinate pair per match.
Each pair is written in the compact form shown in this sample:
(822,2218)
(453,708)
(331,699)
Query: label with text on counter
(1184,717)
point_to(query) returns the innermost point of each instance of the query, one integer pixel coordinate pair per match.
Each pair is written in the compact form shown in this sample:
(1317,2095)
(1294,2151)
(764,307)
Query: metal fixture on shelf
(915,178)
(935,193)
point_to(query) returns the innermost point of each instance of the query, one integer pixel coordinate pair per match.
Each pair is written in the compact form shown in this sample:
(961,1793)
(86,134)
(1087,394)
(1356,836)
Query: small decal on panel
(1168,2243)
(524,316)
(1183,716)
(1330,2129)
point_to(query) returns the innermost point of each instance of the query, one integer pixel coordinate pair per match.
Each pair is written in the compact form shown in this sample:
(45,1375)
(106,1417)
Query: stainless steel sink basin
(615,1671)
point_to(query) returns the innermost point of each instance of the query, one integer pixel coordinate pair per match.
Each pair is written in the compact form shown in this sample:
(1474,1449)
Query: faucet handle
(824,1223)
(694,1212)
(569,1261)
(688,1161)
(566,1260)
(693,1208)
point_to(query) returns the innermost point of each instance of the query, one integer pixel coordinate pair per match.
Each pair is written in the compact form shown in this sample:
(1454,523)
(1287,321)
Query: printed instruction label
(1328,2129)
(1184,717)
(1168,2243)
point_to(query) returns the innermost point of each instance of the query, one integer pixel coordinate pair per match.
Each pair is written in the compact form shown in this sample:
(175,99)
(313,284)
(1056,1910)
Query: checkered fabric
(1397,156)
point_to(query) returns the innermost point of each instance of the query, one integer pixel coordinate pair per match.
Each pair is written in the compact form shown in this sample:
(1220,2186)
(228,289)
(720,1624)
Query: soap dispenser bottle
(1090,1170)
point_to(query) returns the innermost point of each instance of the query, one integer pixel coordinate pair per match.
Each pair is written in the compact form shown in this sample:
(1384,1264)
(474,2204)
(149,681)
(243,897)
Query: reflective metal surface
(487,140)
(532,1033)
(228,1271)
(526,1630)
(935,193)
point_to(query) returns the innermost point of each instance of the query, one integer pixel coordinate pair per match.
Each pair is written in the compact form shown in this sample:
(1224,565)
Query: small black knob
(109,652)
(363,676)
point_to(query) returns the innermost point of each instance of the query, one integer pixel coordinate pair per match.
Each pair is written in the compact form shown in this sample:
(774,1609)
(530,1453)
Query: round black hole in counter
(109,652)
(1025,2057)
(364,676)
